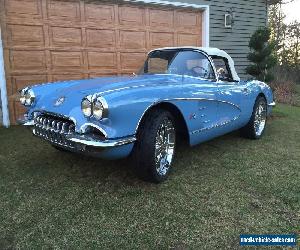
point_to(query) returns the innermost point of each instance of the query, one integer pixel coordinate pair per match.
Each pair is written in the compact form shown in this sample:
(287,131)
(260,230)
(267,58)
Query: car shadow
(81,168)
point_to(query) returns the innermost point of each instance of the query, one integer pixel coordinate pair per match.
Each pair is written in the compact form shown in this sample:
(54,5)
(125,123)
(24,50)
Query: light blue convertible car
(185,94)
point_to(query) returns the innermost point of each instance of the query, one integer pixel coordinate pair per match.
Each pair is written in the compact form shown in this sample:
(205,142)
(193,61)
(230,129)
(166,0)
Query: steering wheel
(196,68)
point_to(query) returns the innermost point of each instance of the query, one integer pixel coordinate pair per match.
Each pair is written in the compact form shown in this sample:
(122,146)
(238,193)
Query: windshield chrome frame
(215,79)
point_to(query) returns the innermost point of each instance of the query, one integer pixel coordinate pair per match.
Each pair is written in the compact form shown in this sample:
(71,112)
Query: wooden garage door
(48,40)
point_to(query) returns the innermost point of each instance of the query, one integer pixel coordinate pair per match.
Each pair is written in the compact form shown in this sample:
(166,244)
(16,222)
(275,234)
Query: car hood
(105,84)
(72,92)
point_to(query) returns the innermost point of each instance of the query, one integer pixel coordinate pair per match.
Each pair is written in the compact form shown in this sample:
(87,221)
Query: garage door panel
(188,39)
(27,60)
(25,35)
(101,38)
(187,19)
(26,8)
(102,61)
(64,36)
(161,18)
(99,14)
(133,16)
(131,62)
(63,77)
(63,10)
(102,74)
(66,60)
(132,39)
(161,39)
(20,82)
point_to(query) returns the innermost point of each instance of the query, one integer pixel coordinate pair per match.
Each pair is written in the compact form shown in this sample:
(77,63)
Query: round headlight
(22,96)
(27,97)
(98,109)
(86,107)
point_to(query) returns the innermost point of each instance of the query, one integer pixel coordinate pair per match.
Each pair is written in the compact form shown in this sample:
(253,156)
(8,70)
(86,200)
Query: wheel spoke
(260,118)
(164,147)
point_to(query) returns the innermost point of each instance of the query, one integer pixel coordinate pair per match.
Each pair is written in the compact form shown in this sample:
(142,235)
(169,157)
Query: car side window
(222,68)
(157,65)
(192,63)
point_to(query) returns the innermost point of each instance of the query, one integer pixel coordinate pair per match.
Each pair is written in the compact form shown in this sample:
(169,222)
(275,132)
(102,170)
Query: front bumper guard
(91,141)
(88,140)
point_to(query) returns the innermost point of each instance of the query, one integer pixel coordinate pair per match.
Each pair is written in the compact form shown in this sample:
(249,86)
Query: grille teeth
(54,129)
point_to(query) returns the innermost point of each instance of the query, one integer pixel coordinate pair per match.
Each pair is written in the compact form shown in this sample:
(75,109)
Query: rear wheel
(257,124)
(155,147)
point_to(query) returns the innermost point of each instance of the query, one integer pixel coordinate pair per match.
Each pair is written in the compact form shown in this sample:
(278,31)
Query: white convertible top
(211,52)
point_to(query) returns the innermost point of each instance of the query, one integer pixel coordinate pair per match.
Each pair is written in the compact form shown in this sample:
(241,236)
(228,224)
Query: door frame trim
(205,14)
(3,90)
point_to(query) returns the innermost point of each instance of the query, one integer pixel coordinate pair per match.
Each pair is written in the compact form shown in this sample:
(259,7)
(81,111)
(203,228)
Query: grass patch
(217,190)
(297,95)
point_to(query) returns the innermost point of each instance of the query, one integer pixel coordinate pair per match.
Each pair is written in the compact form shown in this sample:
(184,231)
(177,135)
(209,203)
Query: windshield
(191,63)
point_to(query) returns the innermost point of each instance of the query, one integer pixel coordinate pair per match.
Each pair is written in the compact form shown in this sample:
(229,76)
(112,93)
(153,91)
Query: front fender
(258,88)
(127,108)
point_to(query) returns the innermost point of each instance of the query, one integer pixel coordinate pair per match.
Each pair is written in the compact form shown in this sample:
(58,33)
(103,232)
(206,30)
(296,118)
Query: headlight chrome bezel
(97,105)
(100,108)
(86,106)
(27,97)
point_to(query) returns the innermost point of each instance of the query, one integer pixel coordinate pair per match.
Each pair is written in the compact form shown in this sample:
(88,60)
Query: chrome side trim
(272,104)
(182,99)
(119,89)
(215,126)
(202,99)
(90,141)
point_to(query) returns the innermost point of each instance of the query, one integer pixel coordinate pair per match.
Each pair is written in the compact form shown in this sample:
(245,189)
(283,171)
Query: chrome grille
(54,129)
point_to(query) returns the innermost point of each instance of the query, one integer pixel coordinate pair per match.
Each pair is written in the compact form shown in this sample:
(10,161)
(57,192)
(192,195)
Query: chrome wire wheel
(164,146)
(260,118)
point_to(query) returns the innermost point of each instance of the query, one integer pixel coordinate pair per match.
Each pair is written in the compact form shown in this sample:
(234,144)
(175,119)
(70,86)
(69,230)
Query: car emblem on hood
(59,101)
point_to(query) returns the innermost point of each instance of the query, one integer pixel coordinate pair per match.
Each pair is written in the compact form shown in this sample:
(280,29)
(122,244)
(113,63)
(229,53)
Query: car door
(203,93)
(199,93)
(230,95)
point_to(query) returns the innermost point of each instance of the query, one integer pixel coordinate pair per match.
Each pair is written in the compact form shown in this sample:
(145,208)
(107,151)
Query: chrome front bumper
(51,132)
(272,104)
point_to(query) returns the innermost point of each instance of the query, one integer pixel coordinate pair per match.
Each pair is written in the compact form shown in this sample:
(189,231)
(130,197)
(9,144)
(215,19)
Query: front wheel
(155,147)
(257,124)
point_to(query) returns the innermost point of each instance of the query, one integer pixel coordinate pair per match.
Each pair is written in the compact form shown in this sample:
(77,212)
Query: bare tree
(286,38)
(294,43)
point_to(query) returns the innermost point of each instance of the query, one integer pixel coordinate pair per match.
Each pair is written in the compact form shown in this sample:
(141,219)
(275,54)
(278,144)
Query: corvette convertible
(182,94)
